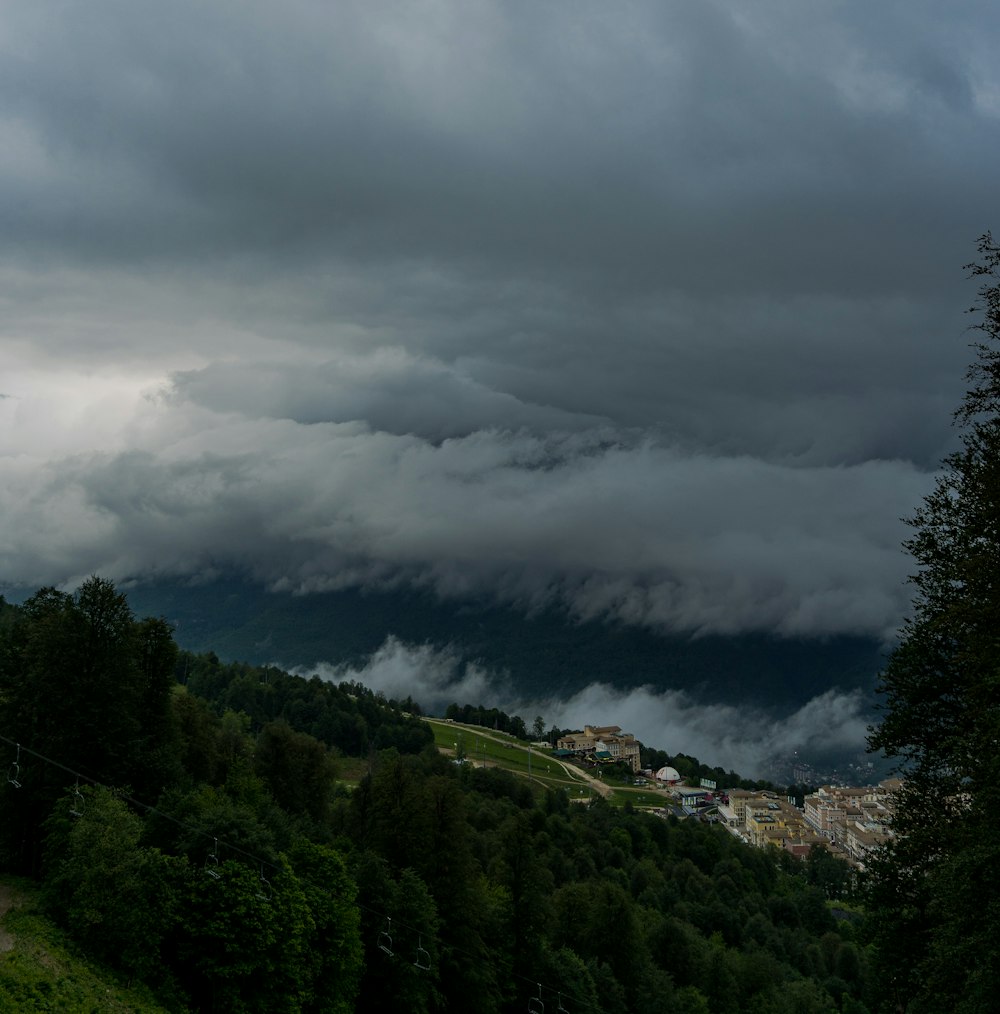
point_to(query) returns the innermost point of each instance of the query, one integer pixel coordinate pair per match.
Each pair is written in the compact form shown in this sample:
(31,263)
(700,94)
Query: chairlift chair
(385,937)
(212,863)
(423,959)
(535,1005)
(264,890)
(77,804)
(14,771)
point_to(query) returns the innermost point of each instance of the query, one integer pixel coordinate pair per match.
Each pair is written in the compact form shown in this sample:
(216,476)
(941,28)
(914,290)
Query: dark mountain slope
(545,652)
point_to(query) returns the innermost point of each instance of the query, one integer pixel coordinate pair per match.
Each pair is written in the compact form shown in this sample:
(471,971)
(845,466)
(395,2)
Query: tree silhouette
(932,888)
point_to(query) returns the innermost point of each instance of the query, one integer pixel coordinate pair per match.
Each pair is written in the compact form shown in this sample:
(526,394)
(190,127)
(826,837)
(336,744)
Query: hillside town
(849,821)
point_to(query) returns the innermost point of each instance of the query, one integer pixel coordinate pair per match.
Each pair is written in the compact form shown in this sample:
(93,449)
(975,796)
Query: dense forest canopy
(190,826)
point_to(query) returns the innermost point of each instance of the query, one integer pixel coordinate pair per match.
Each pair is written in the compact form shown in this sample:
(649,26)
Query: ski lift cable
(48,760)
(216,842)
(149,808)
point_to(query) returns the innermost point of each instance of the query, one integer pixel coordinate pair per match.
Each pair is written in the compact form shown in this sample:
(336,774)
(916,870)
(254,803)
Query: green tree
(238,948)
(297,769)
(113,895)
(937,920)
(518,868)
(597,919)
(197,735)
(388,811)
(400,926)
(155,660)
(84,682)
(334,953)
(86,685)
(828,872)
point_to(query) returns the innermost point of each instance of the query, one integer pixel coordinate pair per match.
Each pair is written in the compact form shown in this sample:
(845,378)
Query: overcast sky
(653,309)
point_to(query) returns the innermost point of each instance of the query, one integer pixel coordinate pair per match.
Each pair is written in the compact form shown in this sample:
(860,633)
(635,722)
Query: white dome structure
(668,775)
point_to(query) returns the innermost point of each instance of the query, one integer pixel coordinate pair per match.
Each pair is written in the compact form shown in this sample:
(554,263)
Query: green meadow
(486,748)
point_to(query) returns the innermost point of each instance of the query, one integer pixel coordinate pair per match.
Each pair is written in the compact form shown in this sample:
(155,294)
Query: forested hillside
(238,839)
(546,652)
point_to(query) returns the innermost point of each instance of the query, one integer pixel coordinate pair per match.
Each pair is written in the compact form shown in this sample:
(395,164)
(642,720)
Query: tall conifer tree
(933,890)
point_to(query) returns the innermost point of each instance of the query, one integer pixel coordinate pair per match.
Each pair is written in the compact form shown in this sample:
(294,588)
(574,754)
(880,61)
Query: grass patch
(484,747)
(43,971)
(351,769)
(498,749)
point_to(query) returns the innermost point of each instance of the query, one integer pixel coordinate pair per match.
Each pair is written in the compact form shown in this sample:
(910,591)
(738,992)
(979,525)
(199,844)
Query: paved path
(574,772)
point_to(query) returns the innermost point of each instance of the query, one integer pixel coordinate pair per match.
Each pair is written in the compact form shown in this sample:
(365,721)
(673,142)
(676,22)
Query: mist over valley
(749,703)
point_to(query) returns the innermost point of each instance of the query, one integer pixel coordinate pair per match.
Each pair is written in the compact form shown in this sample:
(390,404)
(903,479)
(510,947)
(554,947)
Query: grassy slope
(497,749)
(41,970)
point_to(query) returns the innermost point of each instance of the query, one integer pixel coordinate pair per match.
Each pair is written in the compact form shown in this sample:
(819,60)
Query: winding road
(574,772)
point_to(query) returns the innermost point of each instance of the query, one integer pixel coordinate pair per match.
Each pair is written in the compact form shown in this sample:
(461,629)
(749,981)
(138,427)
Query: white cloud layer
(609,522)
(833,724)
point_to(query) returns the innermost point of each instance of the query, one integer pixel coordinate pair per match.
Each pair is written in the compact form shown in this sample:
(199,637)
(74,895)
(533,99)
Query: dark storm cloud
(637,531)
(658,138)
(651,307)
(391,391)
(652,145)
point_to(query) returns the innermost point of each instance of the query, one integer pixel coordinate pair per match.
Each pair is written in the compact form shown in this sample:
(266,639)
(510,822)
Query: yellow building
(609,739)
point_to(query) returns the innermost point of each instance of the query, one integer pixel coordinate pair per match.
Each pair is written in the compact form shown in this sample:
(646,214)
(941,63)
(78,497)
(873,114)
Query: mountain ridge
(542,652)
